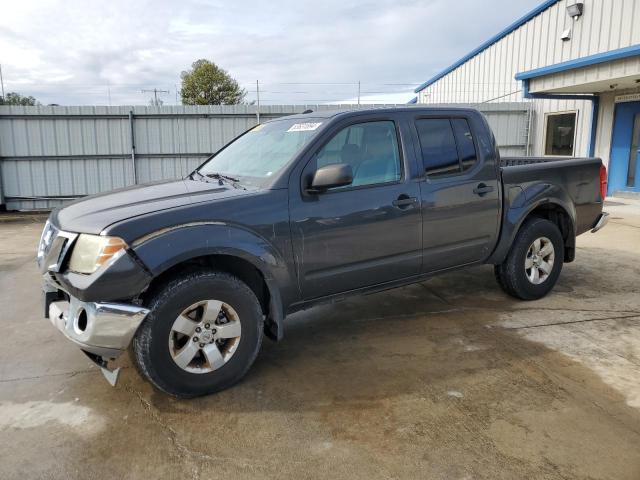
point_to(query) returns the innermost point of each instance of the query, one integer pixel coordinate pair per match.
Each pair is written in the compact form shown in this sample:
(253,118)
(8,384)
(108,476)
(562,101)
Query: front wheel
(534,262)
(202,334)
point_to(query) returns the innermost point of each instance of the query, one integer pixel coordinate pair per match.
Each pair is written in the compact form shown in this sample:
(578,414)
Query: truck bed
(542,179)
(516,161)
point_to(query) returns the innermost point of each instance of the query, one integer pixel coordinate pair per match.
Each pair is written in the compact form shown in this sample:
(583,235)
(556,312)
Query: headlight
(92,251)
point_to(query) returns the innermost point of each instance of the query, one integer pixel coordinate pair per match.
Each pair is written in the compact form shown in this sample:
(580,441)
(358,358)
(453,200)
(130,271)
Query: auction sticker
(304,127)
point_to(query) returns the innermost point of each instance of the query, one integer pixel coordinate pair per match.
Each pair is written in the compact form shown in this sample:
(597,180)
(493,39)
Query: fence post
(133,147)
(3,207)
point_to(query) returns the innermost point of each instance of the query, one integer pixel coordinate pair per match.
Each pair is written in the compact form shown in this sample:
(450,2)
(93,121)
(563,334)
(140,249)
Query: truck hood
(94,213)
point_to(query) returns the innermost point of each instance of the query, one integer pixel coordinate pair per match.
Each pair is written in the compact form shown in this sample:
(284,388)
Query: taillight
(603,181)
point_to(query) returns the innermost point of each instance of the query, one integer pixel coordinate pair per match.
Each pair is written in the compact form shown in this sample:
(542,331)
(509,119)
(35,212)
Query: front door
(624,165)
(366,233)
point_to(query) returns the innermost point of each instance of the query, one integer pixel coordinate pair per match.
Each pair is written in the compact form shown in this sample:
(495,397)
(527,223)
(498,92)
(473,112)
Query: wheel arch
(557,208)
(238,252)
(241,268)
(558,215)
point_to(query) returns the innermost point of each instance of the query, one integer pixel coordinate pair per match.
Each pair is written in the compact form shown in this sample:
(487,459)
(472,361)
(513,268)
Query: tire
(157,346)
(521,282)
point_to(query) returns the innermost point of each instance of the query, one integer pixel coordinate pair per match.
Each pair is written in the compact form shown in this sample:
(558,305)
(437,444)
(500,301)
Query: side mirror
(331,176)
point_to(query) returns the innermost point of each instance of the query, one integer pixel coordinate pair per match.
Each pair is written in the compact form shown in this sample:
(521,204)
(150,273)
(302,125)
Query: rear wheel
(202,334)
(534,262)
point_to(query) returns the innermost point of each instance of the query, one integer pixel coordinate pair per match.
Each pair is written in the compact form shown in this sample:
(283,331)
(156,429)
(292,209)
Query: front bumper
(602,220)
(102,329)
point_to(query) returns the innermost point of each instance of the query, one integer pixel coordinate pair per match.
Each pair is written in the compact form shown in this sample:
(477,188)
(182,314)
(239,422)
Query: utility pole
(358,92)
(109,92)
(155,95)
(258,96)
(176,85)
(1,81)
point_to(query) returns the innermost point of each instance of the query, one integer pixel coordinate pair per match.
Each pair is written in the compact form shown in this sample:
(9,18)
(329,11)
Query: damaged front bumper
(102,330)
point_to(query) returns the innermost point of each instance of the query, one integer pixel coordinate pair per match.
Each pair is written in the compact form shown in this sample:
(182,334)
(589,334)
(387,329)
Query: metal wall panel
(49,155)
(489,76)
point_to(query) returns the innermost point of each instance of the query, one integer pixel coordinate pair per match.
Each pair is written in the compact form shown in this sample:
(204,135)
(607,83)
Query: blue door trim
(621,140)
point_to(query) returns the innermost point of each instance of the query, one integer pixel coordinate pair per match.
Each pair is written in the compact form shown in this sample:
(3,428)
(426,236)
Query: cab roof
(348,111)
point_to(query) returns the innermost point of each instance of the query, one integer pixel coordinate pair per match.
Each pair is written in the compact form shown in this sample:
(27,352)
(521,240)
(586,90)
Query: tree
(14,98)
(208,84)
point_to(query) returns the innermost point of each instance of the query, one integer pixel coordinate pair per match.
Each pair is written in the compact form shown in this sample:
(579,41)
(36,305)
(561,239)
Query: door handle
(404,201)
(482,189)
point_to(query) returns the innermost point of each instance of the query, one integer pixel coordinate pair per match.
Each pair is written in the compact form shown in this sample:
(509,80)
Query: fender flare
(165,248)
(531,198)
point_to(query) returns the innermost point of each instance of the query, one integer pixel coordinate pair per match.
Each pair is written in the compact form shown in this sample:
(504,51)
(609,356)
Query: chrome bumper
(603,219)
(103,329)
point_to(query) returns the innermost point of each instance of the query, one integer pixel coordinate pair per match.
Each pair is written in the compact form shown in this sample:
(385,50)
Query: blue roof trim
(412,101)
(632,51)
(518,23)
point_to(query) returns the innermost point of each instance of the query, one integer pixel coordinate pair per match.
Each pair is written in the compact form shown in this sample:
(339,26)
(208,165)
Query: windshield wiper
(235,182)
(218,176)
(196,172)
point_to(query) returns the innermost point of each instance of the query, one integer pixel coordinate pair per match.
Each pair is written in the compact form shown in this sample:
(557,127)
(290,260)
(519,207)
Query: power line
(155,95)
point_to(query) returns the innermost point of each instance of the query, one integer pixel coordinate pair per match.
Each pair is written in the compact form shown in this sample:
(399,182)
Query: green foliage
(208,84)
(14,98)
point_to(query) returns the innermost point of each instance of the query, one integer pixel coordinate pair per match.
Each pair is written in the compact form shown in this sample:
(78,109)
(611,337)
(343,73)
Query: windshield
(255,157)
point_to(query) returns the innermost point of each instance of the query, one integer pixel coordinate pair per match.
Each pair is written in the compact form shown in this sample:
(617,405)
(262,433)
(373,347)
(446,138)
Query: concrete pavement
(447,379)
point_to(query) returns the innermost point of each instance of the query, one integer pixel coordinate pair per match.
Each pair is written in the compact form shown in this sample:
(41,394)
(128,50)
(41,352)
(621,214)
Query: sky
(85,52)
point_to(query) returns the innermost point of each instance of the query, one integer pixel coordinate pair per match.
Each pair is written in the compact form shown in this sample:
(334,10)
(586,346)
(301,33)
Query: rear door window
(438,146)
(446,145)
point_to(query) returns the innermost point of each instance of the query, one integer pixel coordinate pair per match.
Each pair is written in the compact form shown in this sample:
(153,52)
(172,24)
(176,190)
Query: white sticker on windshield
(304,127)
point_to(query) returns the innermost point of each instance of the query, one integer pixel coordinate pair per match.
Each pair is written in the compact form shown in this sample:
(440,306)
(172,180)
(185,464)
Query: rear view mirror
(331,176)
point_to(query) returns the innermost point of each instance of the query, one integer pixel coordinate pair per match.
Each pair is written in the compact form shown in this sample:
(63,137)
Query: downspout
(133,148)
(595,111)
(595,105)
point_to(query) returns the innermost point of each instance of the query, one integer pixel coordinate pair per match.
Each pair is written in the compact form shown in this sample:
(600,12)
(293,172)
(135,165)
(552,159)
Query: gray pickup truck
(189,274)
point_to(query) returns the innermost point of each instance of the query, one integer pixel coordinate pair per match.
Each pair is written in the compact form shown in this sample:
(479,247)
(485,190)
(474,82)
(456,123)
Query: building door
(624,167)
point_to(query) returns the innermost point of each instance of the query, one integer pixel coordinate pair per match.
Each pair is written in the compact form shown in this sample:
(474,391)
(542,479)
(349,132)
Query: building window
(560,134)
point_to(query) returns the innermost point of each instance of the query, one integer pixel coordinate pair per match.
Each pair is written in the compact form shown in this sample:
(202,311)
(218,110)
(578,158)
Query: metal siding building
(593,71)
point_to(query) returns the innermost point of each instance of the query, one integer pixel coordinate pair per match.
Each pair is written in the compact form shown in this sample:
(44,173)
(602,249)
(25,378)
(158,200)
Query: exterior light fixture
(575,10)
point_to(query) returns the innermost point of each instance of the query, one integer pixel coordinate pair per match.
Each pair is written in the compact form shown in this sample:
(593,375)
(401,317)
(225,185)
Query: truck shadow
(427,339)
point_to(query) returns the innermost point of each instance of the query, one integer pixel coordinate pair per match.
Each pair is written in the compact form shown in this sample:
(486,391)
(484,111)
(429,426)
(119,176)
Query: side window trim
(458,147)
(336,131)
(445,178)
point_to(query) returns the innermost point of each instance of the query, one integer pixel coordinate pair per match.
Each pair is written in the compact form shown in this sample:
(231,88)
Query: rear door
(460,195)
(366,233)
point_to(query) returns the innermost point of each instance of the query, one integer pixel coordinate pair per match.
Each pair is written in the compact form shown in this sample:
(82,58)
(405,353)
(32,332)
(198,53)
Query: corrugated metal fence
(49,155)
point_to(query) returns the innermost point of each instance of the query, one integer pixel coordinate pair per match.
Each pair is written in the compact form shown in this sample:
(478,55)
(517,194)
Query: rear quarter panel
(573,184)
